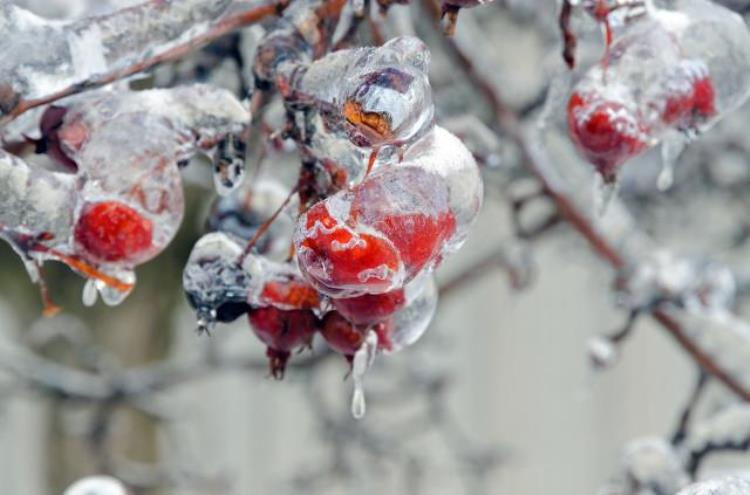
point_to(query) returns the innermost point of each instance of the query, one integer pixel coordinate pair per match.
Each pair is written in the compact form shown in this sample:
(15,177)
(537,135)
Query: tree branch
(508,123)
(230,23)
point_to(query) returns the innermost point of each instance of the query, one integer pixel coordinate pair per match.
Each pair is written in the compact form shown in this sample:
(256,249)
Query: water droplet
(229,165)
(90,294)
(112,296)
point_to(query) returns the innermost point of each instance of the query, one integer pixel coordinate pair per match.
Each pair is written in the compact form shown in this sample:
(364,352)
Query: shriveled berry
(606,132)
(369,309)
(282,332)
(111,231)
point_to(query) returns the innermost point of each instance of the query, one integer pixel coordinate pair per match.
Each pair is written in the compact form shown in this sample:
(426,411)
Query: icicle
(604,193)
(671,149)
(90,293)
(363,359)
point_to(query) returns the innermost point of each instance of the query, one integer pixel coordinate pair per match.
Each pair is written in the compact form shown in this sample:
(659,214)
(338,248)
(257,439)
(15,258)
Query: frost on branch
(680,68)
(649,466)
(732,485)
(119,201)
(42,57)
(729,429)
(661,275)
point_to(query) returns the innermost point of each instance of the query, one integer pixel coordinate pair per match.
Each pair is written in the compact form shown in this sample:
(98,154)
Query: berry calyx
(283,332)
(606,132)
(111,231)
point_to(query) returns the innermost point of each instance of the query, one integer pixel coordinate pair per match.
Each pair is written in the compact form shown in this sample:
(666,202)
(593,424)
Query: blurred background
(499,396)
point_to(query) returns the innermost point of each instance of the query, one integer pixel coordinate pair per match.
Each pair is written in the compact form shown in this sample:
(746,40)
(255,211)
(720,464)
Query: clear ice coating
(120,153)
(366,102)
(42,57)
(680,67)
(408,324)
(398,223)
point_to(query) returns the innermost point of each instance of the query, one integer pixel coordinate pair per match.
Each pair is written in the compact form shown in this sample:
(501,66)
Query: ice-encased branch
(44,61)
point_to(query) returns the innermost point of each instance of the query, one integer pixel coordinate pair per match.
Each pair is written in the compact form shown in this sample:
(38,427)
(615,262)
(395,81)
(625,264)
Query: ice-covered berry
(377,236)
(111,231)
(607,132)
(690,95)
(369,309)
(283,332)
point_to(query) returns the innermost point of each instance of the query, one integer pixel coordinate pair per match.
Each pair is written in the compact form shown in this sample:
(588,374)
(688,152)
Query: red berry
(111,231)
(282,332)
(606,132)
(691,98)
(344,256)
(417,237)
(346,338)
(370,308)
(397,223)
(340,334)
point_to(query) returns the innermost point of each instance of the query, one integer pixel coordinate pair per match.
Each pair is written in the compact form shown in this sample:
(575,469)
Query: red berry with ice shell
(283,332)
(606,131)
(113,232)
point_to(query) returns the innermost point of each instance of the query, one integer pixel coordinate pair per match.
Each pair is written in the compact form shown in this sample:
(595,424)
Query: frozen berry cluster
(668,70)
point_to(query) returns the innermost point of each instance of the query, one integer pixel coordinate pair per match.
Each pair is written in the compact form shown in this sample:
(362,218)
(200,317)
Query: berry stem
(266,225)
